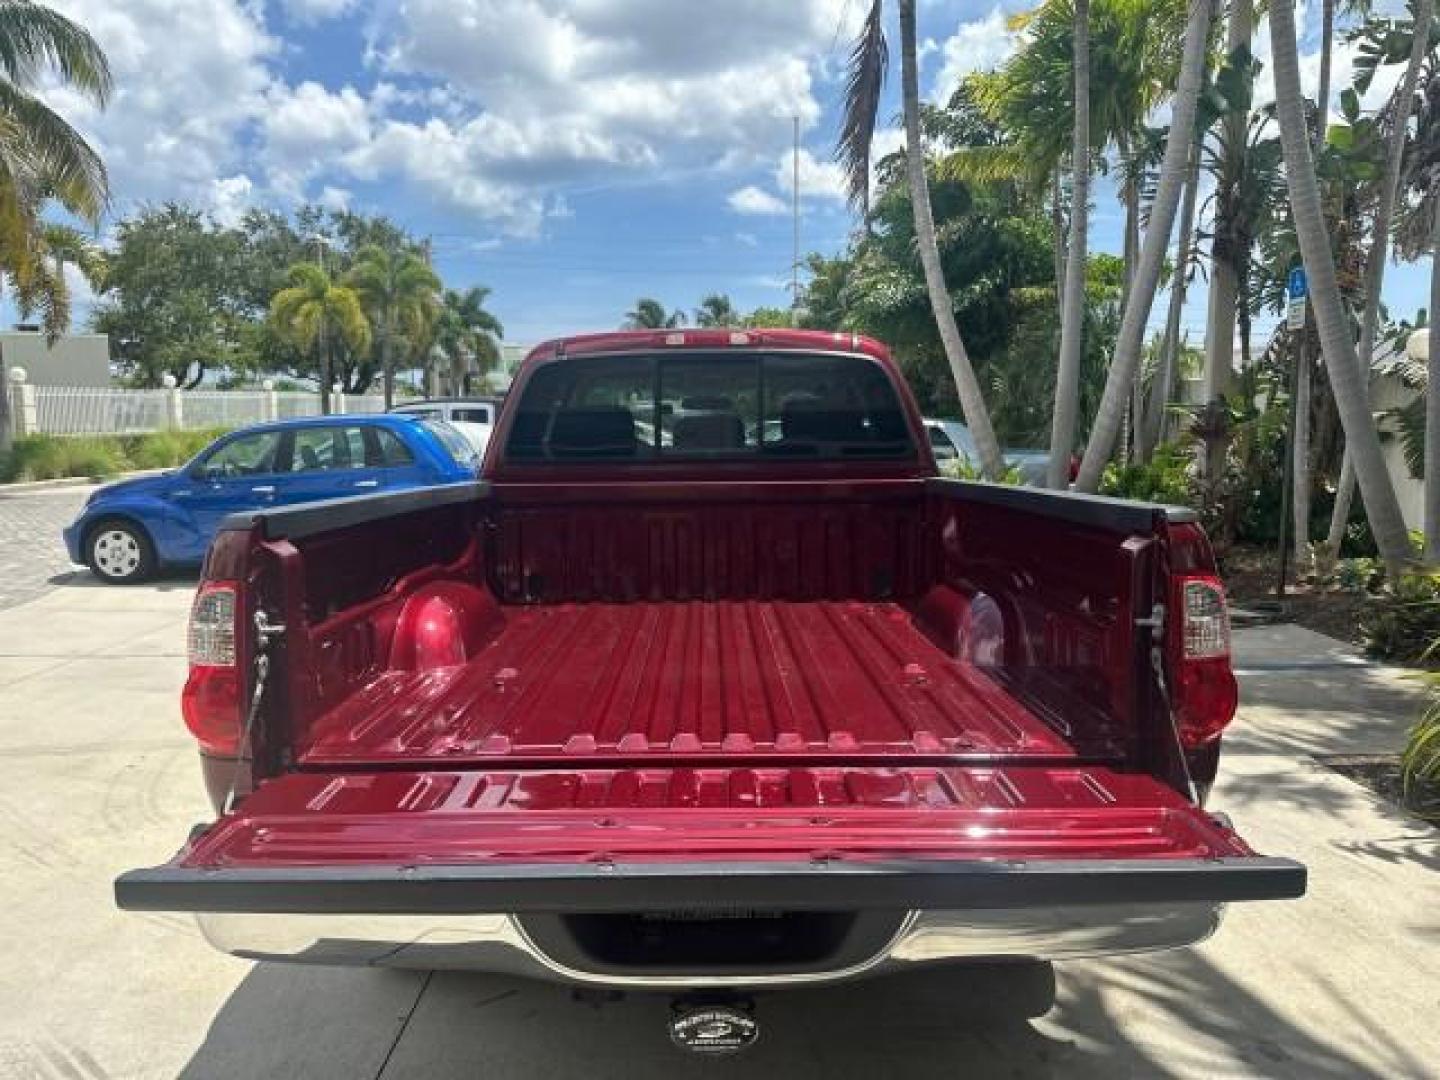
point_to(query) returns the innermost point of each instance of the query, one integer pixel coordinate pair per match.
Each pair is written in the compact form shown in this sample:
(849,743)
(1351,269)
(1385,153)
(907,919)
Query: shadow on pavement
(168,580)
(1169,1015)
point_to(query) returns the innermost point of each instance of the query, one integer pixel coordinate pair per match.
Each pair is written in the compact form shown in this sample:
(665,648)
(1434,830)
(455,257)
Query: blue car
(129,529)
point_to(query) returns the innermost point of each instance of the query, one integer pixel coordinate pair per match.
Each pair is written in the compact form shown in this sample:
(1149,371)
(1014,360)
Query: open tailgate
(599,840)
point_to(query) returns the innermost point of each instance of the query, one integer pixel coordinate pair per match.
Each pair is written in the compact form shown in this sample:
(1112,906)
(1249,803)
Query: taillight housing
(1205,695)
(211,701)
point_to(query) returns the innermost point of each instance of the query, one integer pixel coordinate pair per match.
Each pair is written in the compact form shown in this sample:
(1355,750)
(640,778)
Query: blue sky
(570,154)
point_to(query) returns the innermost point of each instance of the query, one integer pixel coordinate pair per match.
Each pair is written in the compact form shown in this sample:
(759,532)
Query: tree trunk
(387,363)
(1432,402)
(972,400)
(1130,195)
(1224,279)
(1346,378)
(1057,224)
(1300,454)
(1327,51)
(7,423)
(1173,171)
(1380,247)
(1300,438)
(1072,309)
(327,373)
(1154,427)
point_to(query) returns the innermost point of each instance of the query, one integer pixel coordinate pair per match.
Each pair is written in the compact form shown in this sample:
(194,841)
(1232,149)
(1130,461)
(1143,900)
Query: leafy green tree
(766,318)
(174,301)
(400,292)
(316,315)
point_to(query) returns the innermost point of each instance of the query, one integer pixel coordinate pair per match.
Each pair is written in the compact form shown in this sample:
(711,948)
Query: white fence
(82,410)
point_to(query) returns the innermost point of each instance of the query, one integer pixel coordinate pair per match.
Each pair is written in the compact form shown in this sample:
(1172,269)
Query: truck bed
(678,679)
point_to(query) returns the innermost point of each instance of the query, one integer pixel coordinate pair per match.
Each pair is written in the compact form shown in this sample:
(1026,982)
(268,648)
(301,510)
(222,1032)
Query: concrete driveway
(97,775)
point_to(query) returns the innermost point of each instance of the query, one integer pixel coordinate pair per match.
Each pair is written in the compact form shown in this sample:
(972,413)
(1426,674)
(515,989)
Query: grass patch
(98,457)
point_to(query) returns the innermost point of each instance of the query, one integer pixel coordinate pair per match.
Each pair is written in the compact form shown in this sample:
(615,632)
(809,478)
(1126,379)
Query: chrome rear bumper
(500,944)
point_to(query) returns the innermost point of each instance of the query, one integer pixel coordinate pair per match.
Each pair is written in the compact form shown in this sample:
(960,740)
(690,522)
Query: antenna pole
(795,254)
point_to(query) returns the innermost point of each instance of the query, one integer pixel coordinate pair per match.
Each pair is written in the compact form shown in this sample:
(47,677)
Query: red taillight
(1205,694)
(211,701)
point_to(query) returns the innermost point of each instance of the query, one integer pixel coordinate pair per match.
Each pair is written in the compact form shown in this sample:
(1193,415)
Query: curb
(27,486)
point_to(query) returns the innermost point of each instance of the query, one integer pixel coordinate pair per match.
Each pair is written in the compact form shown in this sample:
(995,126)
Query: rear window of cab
(698,406)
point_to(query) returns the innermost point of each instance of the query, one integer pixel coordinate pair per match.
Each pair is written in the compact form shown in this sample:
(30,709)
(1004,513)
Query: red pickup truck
(712,682)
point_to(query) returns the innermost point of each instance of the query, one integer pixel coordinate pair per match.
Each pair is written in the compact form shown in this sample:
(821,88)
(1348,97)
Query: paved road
(32,555)
(97,775)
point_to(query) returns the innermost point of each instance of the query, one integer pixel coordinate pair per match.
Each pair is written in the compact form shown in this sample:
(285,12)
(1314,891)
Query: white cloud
(1342,67)
(334,198)
(978,45)
(190,77)
(314,11)
(746,239)
(492,108)
(306,128)
(230,197)
(818,179)
(756,200)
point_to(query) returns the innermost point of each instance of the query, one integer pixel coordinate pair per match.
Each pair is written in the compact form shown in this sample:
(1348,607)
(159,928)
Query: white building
(74,360)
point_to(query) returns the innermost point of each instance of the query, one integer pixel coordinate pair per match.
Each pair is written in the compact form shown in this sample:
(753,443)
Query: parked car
(770,703)
(950,440)
(465,410)
(129,529)
(472,417)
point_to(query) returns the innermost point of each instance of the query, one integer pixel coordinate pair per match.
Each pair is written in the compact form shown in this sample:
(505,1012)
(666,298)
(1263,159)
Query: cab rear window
(701,406)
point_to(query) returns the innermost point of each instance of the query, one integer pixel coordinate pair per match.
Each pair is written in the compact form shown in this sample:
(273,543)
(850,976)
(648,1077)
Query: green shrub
(50,457)
(1420,763)
(1405,623)
(1166,479)
(1358,575)
(962,469)
(53,457)
(167,449)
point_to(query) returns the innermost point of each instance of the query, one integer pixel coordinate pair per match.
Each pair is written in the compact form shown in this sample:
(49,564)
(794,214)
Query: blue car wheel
(118,552)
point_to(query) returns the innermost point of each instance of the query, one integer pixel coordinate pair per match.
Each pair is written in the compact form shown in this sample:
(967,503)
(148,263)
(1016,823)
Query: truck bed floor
(690,679)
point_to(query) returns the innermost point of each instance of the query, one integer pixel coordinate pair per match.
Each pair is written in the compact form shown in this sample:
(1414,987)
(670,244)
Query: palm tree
(1347,379)
(649,314)
(1225,268)
(1304,374)
(395,286)
(41,156)
(467,334)
(716,311)
(44,288)
(313,314)
(1152,424)
(1418,235)
(1072,315)
(869,61)
(1399,108)
(1173,170)
(39,151)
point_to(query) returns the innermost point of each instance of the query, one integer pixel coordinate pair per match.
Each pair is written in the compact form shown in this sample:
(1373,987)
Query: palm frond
(35,38)
(864,82)
(39,142)
(993,165)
